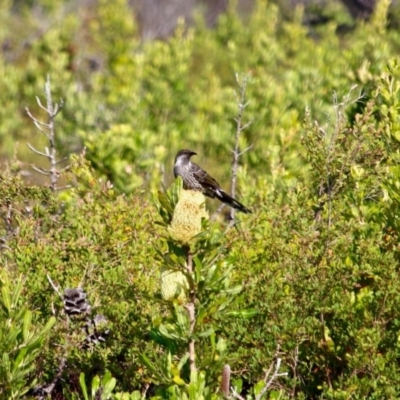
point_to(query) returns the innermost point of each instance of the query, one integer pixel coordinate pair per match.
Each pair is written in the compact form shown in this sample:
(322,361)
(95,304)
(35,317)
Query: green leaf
(26,324)
(95,385)
(50,323)
(243,313)
(83,386)
(258,387)
(183,361)
(233,290)
(108,387)
(5,293)
(207,332)
(20,359)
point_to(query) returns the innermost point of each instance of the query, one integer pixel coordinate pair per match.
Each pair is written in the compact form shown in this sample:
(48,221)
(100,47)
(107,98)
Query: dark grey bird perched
(195,178)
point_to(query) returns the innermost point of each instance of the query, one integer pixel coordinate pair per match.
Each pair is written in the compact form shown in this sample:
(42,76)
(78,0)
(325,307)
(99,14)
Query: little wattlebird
(195,178)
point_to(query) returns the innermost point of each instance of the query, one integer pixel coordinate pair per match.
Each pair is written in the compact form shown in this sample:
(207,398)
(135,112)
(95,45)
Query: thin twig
(145,389)
(54,287)
(273,377)
(327,371)
(236,395)
(294,369)
(191,311)
(48,389)
(269,380)
(242,104)
(217,212)
(40,153)
(41,170)
(62,160)
(59,188)
(48,129)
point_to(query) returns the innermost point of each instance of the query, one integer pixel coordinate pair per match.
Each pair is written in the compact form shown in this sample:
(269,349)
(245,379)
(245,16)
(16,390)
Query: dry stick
(294,369)
(54,287)
(226,380)
(242,104)
(273,377)
(8,217)
(326,367)
(267,379)
(61,366)
(56,290)
(191,310)
(48,129)
(236,395)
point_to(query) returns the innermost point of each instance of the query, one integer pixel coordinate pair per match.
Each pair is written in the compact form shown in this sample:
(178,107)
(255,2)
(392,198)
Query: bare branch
(41,170)
(236,395)
(219,209)
(242,103)
(54,287)
(68,167)
(273,377)
(145,389)
(58,108)
(48,129)
(62,160)
(37,123)
(8,217)
(244,151)
(246,125)
(41,105)
(63,188)
(48,389)
(192,313)
(37,151)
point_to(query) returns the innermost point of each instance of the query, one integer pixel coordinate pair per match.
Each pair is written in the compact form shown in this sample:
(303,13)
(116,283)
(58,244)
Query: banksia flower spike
(188,213)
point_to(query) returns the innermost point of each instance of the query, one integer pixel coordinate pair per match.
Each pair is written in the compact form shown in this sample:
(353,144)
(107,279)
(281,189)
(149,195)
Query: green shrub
(317,260)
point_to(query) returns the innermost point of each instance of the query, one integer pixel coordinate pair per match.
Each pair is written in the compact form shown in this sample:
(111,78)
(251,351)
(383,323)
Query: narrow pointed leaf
(83,386)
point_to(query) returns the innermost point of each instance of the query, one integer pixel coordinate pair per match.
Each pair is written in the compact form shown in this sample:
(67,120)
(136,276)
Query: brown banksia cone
(188,213)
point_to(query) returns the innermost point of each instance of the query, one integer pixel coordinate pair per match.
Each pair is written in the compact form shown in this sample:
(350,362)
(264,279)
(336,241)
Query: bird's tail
(230,201)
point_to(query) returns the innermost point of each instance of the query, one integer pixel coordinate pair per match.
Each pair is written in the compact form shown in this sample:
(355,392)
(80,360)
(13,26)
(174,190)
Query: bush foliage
(300,298)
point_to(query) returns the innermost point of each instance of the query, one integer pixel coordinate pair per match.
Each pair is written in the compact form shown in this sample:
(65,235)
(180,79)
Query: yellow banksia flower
(174,285)
(188,213)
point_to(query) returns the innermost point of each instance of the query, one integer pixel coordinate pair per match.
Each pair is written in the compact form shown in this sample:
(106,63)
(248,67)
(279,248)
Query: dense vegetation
(300,298)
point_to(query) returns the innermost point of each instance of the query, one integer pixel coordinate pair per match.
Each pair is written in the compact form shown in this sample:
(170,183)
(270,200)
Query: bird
(195,178)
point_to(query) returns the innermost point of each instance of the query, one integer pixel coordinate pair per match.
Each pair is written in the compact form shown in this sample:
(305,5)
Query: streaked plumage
(195,178)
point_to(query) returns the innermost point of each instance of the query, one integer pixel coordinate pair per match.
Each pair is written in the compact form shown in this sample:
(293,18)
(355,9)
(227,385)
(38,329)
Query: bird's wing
(206,180)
